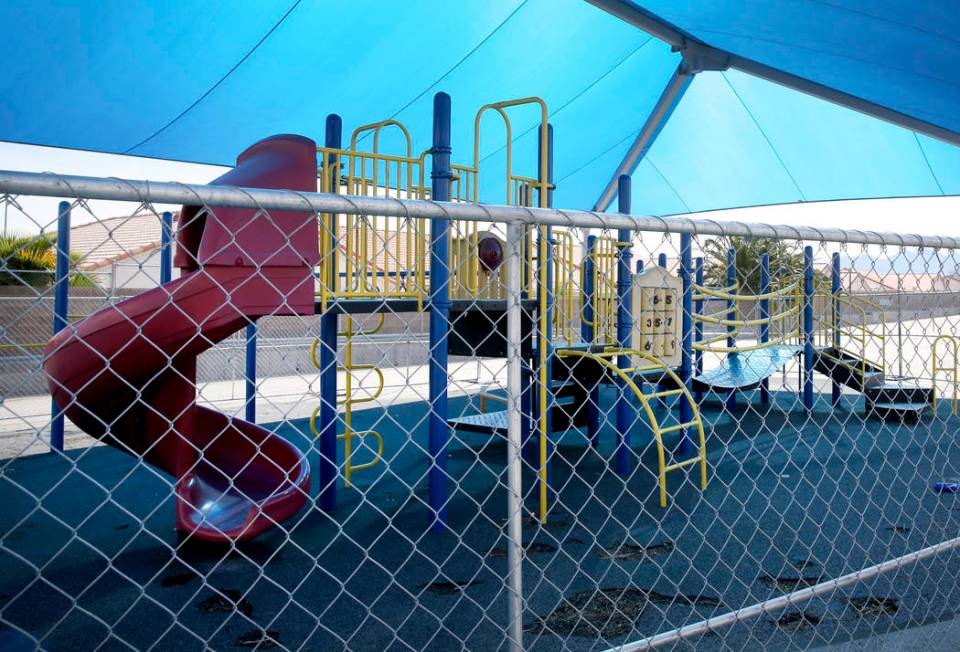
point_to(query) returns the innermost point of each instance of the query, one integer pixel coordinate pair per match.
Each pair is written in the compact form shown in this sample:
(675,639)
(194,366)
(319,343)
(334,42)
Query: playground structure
(587,323)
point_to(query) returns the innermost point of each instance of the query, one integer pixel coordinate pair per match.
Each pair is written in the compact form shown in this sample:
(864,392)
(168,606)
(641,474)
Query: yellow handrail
(604,359)
(857,332)
(953,369)
(785,302)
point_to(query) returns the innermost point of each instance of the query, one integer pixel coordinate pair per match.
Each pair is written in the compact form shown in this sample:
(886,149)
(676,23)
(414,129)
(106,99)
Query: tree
(30,260)
(786,260)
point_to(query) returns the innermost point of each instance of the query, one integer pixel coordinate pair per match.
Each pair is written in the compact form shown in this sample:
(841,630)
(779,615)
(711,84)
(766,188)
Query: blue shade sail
(201,81)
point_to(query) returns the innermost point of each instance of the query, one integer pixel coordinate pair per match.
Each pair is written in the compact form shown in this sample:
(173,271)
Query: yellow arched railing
(349,400)
(606,360)
(951,366)
(371,256)
(786,305)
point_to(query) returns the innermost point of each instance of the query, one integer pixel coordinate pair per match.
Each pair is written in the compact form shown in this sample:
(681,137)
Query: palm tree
(30,260)
(786,260)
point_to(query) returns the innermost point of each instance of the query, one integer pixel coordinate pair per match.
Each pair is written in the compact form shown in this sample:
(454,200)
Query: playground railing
(573,495)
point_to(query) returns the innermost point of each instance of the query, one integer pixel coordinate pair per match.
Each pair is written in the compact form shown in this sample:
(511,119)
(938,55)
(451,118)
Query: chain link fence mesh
(615,545)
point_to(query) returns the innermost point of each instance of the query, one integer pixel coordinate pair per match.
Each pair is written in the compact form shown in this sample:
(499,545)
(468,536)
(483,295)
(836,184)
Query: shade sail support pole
(670,97)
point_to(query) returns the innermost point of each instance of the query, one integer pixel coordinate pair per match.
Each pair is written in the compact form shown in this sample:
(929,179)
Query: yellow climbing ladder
(606,359)
(349,400)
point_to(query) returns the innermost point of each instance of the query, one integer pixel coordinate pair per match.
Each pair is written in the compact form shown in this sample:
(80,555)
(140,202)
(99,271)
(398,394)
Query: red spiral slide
(127,373)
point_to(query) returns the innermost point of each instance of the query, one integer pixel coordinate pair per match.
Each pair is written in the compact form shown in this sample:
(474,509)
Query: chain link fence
(612,431)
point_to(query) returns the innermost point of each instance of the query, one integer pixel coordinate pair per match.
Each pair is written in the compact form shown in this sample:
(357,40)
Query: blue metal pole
(250,412)
(662,260)
(686,352)
(808,351)
(698,326)
(166,248)
(61,300)
(837,389)
(587,331)
(764,314)
(547,339)
(639,267)
(731,315)
(624,329)
(328,340)
(439,315)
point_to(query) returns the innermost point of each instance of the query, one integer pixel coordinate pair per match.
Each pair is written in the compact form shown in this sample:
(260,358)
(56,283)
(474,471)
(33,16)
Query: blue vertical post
(764,315)
(662,260)
(250,411)
(439,315)
(328,340)
(731,315)
(166,247)
(837,389)
(639,269)
(547,340)
(698,326)
(686,333)
(587,331)
(61,300)
(624,329)
(808,351)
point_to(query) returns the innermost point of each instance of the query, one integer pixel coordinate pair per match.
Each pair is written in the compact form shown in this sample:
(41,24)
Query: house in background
(121,252)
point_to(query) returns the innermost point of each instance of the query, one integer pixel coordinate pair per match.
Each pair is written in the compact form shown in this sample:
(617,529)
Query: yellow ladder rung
(680,465)
(679,426)
(665,393)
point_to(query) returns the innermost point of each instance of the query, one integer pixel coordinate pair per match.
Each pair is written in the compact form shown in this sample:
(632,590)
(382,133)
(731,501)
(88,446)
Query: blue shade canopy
(200,82)
(900,56)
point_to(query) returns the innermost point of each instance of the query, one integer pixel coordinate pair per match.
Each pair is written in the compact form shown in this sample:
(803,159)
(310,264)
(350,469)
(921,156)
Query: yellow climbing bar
(604,359)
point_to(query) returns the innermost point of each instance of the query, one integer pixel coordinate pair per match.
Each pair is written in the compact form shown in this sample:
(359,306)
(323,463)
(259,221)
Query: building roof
(103,242)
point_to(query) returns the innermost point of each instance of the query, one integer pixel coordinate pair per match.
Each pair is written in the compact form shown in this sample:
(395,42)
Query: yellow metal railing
(352,385)
(952,367)
(860,334)
(370,256)
(607,361)
(783,319)
(566,288)
(604,299)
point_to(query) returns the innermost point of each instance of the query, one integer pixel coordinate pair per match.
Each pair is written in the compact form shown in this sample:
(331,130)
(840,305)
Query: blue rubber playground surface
(102,540)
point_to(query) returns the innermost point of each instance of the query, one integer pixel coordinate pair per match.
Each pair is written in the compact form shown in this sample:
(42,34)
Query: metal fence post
(250,380)
(439,315)
(515,394)
(808,351)
(61,301)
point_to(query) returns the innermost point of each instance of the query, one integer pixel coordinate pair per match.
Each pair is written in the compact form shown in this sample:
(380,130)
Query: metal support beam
(662,110)
(652,24)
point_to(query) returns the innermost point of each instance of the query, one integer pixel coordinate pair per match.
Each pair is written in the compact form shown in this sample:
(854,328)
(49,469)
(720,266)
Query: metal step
(495,423)
(900,397)
(847,369)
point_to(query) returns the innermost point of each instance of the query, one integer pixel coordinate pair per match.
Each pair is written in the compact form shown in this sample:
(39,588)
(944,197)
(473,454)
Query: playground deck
(706,554)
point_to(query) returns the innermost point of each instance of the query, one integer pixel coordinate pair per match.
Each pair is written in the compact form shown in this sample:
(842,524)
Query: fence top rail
(149,192)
